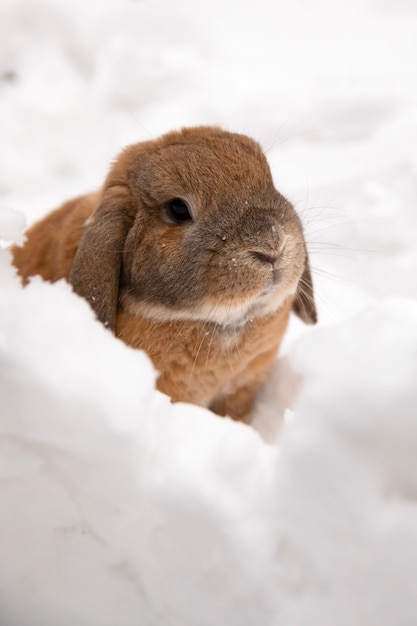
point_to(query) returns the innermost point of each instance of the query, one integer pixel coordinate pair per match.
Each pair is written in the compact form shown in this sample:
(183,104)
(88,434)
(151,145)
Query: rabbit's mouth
(273,296)
(268,302)
(275,281)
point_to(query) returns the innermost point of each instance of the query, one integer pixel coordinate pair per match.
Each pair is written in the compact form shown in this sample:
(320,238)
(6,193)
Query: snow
(117,507)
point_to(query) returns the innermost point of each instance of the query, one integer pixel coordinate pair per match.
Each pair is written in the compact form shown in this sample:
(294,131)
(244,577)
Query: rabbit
(190,253)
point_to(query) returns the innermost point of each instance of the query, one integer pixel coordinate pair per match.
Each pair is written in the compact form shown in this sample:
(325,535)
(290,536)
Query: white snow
(118,508)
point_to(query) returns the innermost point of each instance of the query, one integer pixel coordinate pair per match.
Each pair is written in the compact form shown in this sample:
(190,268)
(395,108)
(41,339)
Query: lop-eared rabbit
(190,253)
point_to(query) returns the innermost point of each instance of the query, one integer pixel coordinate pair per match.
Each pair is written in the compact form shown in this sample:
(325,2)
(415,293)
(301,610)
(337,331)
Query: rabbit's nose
(266,258)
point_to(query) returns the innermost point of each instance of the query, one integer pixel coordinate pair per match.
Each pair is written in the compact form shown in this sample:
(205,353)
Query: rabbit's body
(189,253)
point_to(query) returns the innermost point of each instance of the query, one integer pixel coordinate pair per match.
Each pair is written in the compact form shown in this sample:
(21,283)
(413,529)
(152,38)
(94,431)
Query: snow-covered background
(120,509)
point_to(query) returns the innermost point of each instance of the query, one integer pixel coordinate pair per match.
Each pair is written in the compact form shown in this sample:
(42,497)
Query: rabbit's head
(190,226)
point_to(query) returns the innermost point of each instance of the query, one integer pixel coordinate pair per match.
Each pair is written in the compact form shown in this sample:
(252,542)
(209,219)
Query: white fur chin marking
(225,315)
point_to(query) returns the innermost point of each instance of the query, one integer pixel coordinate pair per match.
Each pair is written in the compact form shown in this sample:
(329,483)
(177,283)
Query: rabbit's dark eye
(178,210)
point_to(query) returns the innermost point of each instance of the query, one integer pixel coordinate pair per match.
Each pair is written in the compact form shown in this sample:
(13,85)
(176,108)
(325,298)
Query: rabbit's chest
(204,363)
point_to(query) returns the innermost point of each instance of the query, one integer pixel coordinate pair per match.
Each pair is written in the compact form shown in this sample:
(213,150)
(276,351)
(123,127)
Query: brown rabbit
(190,253)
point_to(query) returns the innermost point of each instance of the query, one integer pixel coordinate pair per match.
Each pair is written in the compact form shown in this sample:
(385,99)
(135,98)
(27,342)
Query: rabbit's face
(212,239)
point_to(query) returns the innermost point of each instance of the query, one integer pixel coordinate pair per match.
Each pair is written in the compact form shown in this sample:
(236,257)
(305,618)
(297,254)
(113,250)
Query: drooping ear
(95,272)
(304,305)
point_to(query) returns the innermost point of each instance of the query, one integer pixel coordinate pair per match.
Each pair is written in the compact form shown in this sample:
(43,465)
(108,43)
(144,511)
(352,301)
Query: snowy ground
(117,508)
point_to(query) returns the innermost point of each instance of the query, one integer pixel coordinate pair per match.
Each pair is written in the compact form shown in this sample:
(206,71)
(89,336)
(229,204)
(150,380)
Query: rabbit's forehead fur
(211,267)
(210,173)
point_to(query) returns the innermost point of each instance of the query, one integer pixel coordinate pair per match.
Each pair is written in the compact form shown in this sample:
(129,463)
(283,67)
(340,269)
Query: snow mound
(12,223)
(120,508)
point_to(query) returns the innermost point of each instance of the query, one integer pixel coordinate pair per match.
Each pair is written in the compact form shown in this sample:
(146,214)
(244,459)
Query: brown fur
(190,294)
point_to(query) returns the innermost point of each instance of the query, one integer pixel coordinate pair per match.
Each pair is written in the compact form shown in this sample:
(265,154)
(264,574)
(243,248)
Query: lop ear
(304,305)
(95,272)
